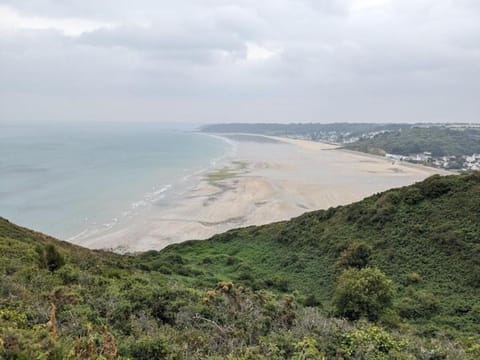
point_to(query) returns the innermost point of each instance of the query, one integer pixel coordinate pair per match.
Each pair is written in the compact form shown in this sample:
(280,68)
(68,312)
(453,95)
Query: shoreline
(330,146)
(262,182)
(171,191)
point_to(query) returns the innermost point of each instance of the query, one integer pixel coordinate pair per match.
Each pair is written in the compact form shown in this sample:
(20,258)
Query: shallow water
(68,180)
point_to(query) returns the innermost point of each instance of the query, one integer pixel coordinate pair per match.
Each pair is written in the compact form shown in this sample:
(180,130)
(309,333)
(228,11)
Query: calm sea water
(69,180)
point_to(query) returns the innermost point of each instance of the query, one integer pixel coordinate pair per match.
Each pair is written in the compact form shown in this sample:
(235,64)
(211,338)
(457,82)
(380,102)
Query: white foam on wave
(157,193)
(229,154)
(79,235)
(161,190)
(148,199)
(111,223)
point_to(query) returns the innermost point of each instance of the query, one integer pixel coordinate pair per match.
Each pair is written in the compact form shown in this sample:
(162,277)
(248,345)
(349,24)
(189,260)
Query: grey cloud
(191,44)
(407,61)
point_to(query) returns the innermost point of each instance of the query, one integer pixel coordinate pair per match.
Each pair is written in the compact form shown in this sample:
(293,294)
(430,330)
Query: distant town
(452,162)
(464,162)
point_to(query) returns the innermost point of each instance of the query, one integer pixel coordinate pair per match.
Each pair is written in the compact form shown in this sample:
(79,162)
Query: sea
(72,180)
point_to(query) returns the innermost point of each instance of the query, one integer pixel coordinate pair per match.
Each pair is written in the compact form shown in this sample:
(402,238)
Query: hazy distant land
(451,146)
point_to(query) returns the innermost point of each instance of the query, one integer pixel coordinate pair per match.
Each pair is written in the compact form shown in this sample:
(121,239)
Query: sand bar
(265,181)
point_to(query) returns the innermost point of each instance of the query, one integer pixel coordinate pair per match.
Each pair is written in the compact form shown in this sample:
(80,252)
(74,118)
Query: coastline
(159,195)
(262,182)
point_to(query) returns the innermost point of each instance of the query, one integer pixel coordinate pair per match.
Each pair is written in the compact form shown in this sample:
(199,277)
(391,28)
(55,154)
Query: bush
(413,278)
(413,196)
(418,304)
(312,301)
(435,186)
(69,274)
(371,343)
(175,259)
(207,260)
(356,255)
(363,293)
(278,282)
(150,348)
(475,313)
(50,258)
(231,260)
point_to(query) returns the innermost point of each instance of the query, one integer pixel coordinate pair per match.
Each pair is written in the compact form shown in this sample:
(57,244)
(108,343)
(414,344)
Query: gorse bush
(356,255)
(363,293)
(371,342)
(49,257)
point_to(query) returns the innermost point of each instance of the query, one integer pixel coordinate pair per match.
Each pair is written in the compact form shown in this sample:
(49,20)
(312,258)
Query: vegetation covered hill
(395,276)
(440,141)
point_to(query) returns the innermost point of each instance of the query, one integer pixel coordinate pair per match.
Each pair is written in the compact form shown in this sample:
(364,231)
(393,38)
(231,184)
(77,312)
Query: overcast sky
(252,60)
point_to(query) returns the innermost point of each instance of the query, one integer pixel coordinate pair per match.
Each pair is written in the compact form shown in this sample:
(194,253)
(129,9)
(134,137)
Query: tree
(363,293)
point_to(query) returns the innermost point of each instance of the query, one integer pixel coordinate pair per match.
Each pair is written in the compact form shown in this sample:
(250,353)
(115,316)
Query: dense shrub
(149,348)
(413,196)
(434,186)
(363,293)
(371,342)
(418,304)
(69,274)
(413,278)
(49,257)
(356,255)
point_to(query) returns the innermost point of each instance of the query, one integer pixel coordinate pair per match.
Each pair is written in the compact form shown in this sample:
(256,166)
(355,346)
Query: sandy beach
(268,179)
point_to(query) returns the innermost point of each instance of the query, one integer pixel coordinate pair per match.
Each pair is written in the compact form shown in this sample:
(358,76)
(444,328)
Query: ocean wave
(80,235)
(165,193)
(110,224)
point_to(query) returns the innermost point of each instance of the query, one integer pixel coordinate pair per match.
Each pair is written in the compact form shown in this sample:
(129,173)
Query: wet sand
(269,179)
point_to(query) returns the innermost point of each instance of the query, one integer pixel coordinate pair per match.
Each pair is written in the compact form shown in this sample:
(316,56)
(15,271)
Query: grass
(220,175)
(227,172)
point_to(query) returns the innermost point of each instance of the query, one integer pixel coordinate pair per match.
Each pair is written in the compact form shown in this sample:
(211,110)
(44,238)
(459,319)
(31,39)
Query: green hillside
(395,276)
(439,141)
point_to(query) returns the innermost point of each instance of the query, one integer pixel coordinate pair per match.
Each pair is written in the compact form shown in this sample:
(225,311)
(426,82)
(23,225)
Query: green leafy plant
(363,293)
